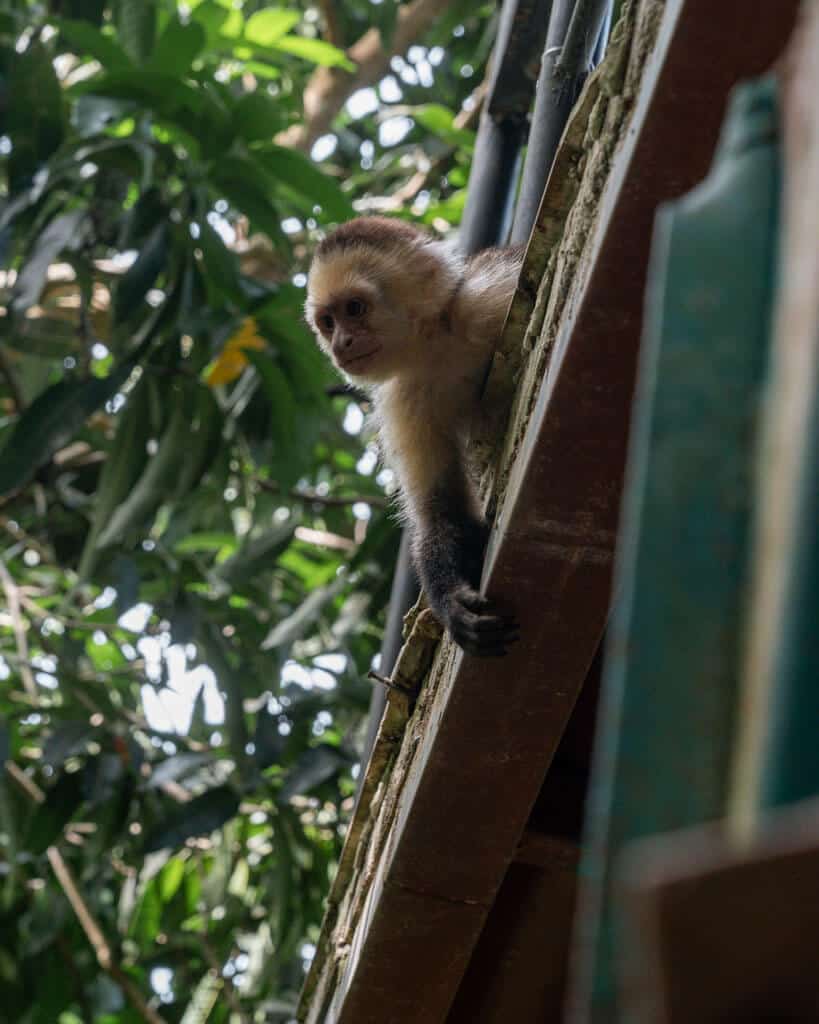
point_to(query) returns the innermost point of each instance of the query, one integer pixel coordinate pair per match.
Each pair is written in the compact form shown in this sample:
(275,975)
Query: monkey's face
(363,332)
(371,302)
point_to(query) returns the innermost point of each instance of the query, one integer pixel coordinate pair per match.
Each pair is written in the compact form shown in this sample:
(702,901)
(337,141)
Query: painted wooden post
(778,758)
(663,757)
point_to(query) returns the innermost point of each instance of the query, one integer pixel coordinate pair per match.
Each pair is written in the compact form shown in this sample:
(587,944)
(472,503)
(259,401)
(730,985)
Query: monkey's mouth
(357,363)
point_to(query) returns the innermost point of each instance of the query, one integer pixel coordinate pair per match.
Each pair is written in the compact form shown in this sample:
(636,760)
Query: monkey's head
(375,288)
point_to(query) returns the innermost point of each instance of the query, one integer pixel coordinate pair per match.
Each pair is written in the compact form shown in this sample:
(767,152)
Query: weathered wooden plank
(725,935)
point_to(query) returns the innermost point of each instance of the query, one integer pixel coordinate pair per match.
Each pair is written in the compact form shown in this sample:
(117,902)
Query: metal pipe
(495,169)
(403,596)
(575,27)
(553,102)
(605,33)
(581,37)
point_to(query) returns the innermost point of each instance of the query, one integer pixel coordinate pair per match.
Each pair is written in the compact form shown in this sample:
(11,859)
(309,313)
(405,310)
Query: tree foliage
(196,541)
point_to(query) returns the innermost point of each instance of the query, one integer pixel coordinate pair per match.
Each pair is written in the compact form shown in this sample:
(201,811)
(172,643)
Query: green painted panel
(665,742)
(791,762)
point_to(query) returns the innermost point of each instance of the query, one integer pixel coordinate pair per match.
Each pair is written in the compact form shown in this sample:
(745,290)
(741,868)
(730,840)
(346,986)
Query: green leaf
(258,116)
(440,121)
(316,51)
(136,26)
(126,460)
(55,812)
(288,451)
(239,181)
(170,878)
(140,277)
(220,264)
(289,629)
(93,114)
(269,744)
(34,116)
(63,232)
(178,47)
(87,10)
(266,27)
(180,766)
(153,486)
(204,440)
(68,739)
(89,41)
(167,94)
(300,174)
(50,422)
(210,541)
(199,817)
(212,16)
(314,766)
(44,337)
(256,554)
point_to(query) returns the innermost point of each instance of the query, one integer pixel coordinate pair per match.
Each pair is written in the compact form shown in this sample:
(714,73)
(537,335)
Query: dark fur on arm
(449,544)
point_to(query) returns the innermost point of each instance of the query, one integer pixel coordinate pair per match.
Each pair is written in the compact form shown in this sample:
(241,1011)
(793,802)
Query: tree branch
(229,989)
(329,88)
(95,936)
(12,592)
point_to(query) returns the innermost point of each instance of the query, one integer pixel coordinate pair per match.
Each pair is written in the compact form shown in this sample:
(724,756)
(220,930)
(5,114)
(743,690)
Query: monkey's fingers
(482,635)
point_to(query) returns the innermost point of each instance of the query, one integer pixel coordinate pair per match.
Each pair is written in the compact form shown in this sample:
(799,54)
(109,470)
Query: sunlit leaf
(266,27)
(316,51)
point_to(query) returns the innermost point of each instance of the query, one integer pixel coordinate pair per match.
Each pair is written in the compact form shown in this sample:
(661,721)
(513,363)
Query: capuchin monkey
(414,324)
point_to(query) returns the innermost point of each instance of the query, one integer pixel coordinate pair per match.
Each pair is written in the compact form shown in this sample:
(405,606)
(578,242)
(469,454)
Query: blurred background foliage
(195,534)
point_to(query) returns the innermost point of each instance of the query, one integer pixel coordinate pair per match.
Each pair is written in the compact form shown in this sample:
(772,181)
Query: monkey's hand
(475,625)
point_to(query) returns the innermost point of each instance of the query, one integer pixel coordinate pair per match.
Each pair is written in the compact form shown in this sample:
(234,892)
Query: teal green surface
(669,706)
(791,758)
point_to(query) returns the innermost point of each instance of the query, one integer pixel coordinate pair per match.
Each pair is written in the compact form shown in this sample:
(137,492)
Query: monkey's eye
(327,322)
(355,308)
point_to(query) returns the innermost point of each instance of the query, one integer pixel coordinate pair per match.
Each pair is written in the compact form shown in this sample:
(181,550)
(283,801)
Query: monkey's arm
(449,543)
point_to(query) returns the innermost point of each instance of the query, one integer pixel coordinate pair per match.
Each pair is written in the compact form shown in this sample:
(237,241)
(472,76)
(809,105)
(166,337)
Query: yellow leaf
(230,362)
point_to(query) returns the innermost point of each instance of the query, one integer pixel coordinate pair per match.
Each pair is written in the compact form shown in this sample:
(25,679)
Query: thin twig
(327,90)
(231,995)
(97,939)
(410,189)
(12,592)
(19,534)
(28,785)
(329,500)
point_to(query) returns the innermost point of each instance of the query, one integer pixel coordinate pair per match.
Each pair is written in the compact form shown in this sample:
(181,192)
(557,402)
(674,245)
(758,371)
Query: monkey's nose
(345,341)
